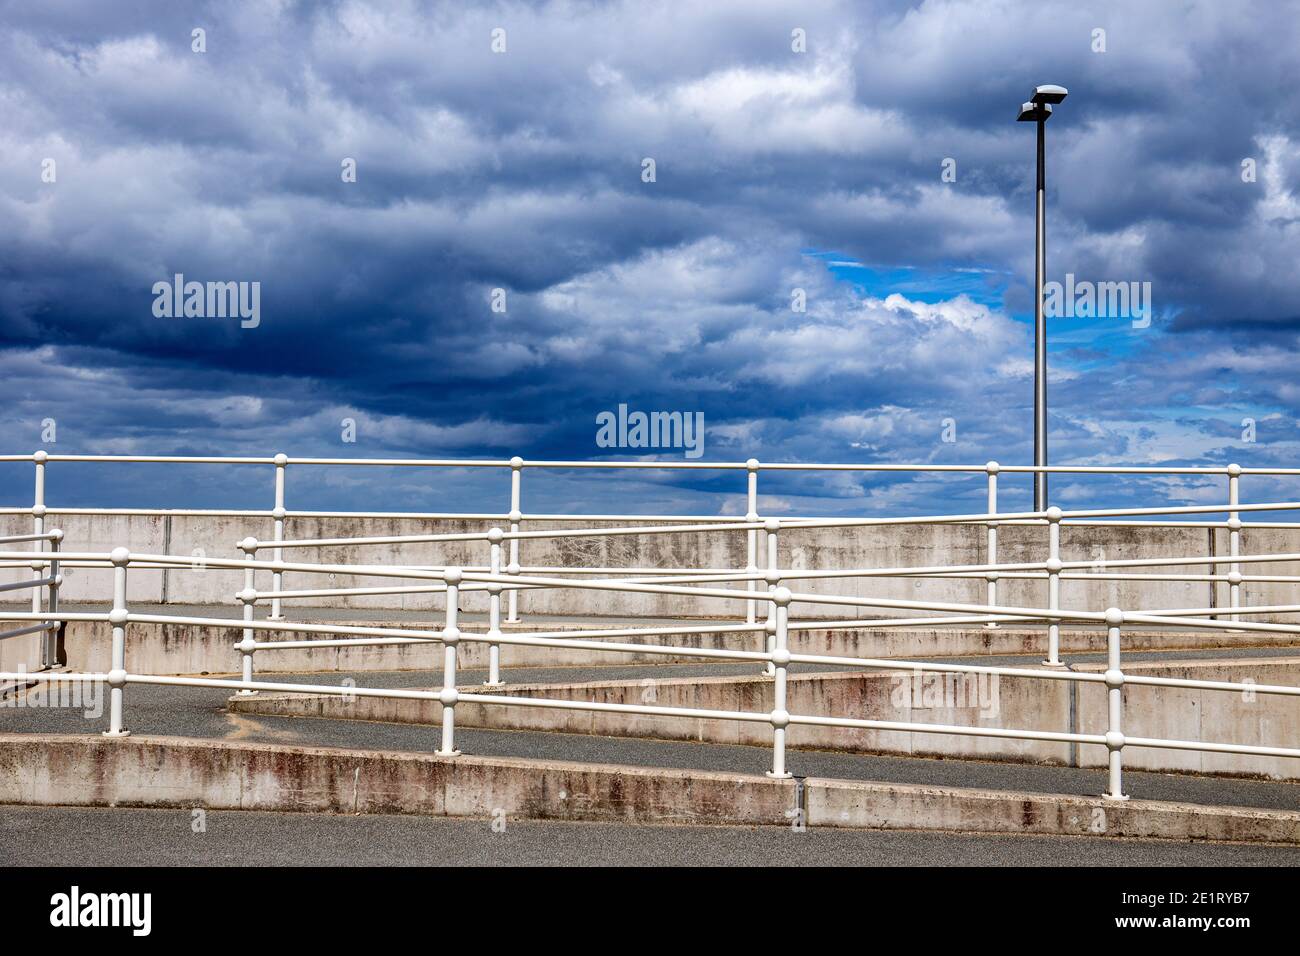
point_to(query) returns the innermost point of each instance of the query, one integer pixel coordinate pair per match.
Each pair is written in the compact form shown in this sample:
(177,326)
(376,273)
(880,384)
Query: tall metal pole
(1040,331)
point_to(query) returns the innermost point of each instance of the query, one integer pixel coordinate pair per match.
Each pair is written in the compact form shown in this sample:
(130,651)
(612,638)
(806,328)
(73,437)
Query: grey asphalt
(140,837)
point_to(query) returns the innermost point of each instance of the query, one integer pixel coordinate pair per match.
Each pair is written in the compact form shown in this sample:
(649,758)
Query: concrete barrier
(68,770)
(907,807)
(824,548)
(47,770)
(902,696)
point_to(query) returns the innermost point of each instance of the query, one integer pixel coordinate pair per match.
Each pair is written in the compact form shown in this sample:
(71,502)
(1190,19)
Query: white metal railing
(778,655)
(503,578)
(279,513)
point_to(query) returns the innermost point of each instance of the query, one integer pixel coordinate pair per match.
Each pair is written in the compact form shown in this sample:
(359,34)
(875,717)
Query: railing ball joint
(1234,524)
(248,546)
(1234,470)
(992,467)
(38,511)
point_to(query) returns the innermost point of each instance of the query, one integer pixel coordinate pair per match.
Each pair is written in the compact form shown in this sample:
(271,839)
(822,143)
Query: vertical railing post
(51,652)
(516,515)
(281,461)
(780,654)
(450,638)
(771,528)
(1053,585)
(751,538)
(495,537)
(38,526)
(1234,541)
(118,617)
(1115,704)
(992,468)
(248,596)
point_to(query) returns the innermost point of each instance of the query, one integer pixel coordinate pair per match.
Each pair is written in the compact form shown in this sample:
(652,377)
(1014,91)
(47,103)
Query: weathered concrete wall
(901,696)
(189,649)
(47,770)
(862,547)
(219,775)
(900,806)
(1174,713)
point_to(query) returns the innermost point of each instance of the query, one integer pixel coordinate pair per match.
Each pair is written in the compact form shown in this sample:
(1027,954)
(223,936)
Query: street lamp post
(1038,110)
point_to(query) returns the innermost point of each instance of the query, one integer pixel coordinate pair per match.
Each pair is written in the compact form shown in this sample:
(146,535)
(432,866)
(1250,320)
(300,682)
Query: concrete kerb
(76,770)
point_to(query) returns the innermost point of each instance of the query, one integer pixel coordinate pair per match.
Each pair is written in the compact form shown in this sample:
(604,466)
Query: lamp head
(1033,112)
(1045,95)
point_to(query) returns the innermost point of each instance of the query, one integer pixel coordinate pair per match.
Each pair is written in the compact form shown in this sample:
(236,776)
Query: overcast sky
(775,169)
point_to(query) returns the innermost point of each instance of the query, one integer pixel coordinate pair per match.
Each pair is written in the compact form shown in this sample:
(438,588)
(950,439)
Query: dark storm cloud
(522,171)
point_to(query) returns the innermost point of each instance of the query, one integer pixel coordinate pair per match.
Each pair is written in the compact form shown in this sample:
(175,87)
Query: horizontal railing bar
(670,465)
(950,729)
(33,583)
(20,631)
(18,538)
(505,517)
(556,638)
(1282,690)
(889,664)
(1252,750)
(401,636)
(52,615)
(1137,617)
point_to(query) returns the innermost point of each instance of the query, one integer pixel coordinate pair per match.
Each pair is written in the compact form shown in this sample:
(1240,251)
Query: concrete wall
(50,770)
(862,547)
(187,649)
(901,696)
